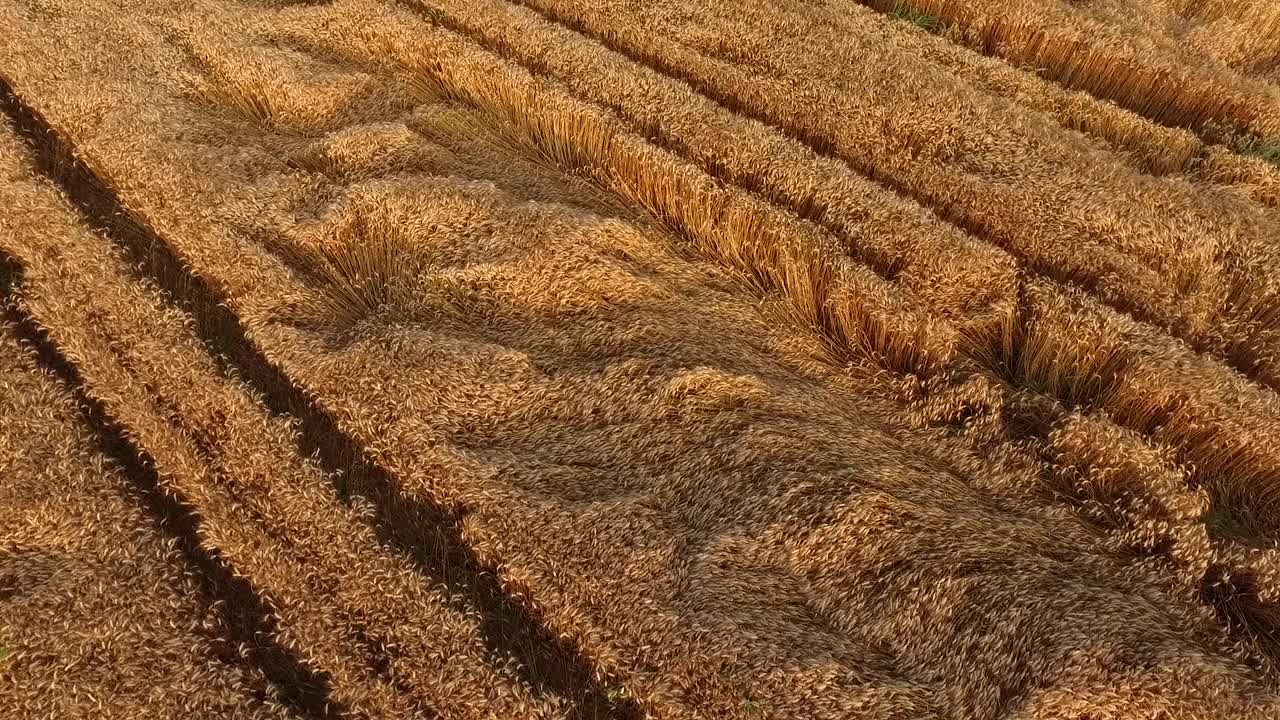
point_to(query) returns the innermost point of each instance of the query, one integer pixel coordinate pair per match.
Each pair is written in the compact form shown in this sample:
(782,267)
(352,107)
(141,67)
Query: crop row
(370,636)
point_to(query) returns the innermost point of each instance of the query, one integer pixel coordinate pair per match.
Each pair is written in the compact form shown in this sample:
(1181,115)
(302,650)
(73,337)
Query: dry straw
(518,406)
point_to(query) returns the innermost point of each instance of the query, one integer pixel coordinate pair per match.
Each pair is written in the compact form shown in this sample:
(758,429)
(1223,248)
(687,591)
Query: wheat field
(573,359)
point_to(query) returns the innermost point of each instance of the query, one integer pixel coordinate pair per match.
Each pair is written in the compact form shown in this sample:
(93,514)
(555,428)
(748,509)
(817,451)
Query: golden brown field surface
(567,359)
(100,614)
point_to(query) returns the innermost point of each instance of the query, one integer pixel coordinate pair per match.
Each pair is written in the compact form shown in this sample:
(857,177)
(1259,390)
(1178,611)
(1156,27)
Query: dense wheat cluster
(601,359)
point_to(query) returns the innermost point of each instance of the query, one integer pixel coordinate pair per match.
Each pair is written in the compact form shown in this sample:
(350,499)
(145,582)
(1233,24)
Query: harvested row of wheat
(389,644)
(1190,261)
(1111,53)
(86,575)
(531,373)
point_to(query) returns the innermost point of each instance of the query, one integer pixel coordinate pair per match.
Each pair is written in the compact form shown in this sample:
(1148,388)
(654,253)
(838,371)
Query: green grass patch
(1268,150)
(4,653)
(906,13)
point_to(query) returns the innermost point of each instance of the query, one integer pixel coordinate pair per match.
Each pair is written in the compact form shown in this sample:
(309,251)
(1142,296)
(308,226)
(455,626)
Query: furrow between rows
(249,625)
(380,595)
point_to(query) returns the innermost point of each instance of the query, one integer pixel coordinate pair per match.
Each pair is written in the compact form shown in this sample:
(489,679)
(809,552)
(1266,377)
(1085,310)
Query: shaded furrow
(429,535)
(249,625)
